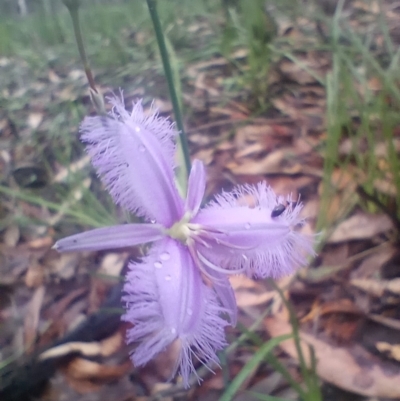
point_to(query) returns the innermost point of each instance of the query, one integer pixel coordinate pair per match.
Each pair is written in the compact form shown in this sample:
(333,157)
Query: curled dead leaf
(31,320)
(336,306)
(83,369)
(391,350)
(105,347)
(39,243)
(351,368)
(360,226)
(377,288)
(34,276)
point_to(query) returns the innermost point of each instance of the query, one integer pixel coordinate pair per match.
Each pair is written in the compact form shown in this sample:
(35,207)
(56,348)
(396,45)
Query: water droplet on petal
(173,330)
(152,221)
(245,257)
(165,256)
(137,129)
(247,226)
(168,278)
(158,265)
(141,148)
(189,312)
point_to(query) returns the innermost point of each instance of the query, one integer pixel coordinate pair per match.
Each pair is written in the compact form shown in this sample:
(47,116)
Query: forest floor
(307,100)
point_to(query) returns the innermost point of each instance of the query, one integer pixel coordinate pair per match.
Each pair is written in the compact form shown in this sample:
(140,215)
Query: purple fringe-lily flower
(179,294)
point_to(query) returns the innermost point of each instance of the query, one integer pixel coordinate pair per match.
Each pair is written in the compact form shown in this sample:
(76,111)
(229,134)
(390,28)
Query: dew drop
(247,226)
(152,221)
(137,129)
(165,256)
(168,278)
(189,312)
(141,148)
(245,257)
(173,330)
(158,265)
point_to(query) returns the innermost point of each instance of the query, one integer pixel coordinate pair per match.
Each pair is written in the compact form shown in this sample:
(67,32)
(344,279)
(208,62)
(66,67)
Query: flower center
(183,230)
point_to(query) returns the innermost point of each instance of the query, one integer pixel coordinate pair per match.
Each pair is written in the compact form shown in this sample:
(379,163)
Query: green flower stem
(73,8)
(152,4)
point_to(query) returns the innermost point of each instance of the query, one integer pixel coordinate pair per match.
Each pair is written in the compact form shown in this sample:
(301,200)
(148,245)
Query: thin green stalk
(73,8)
(152,5)
(383,23)
(308,372)
(252,364)
(95,96)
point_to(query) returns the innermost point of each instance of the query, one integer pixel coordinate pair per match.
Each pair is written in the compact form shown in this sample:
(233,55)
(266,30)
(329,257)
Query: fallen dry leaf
(391,350)
(112,264)
(39,243)
(35,275)
(31,320)
(11,235)
(377,288)
(351,368)
(35,119)
(65,266)
(386,321)
(86,376)
(105,347)
(272,163)
(335,306)
(360,226)
(63,173)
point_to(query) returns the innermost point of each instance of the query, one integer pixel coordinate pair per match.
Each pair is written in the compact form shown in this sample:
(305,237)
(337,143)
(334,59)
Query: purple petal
(168,302)
(196,187)
(246,237)
(134,154)
(111,237)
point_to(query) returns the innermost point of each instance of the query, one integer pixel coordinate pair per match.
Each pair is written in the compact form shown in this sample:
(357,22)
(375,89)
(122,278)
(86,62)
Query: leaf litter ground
(60,333)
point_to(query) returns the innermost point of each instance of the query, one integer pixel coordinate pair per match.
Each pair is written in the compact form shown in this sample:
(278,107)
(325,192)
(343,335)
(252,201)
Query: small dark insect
(278,210)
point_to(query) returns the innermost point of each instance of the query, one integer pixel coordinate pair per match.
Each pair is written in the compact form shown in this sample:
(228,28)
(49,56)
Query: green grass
(366,117)
(249,26)
(263,352)
(123,51)
(109,31)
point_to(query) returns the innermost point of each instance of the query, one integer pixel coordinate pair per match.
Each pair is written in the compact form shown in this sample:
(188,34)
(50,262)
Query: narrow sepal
(110,237)
(196,187)
(225,293)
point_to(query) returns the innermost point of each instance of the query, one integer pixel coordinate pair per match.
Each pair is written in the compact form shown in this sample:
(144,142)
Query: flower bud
(97,101)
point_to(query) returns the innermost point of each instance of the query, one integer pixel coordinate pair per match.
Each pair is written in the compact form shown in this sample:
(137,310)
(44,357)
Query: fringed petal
(133,154)
(264,242)
(110,237)
(167,302)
